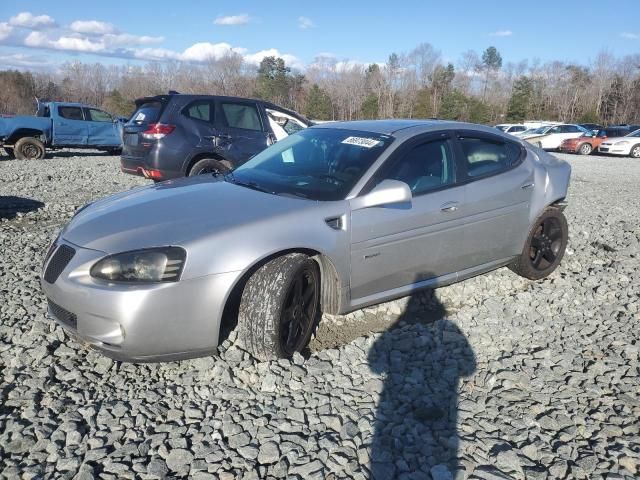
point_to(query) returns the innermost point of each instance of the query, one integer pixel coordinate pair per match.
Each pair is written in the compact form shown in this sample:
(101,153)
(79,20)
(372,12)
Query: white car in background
(550,138)
(629,145)
(511,128)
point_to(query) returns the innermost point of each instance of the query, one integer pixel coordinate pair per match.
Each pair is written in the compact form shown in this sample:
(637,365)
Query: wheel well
(329,285)
(200,156)
(23,132)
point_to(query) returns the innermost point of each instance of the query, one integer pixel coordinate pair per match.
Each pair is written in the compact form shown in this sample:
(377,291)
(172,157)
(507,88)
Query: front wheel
(29,148)
(635,151)
(279,307)
(585,149)
(544,247)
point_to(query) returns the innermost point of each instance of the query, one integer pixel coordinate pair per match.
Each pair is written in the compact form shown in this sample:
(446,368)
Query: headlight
(624,142)
(150,265)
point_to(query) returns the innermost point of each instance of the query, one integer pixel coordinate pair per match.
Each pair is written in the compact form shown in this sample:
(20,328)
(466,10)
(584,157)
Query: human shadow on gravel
(421,358)
(10,206)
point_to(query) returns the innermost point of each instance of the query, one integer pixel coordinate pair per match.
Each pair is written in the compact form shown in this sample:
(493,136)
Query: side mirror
(387,192)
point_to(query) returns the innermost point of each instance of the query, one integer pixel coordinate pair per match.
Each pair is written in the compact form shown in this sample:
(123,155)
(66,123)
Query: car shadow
(10,206)
(79,153)
(421,360)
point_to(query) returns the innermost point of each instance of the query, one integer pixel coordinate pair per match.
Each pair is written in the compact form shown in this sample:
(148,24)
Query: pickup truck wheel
(279,307)
(9,152)
(29,148)
(544,247)
(585,149)
(210,165)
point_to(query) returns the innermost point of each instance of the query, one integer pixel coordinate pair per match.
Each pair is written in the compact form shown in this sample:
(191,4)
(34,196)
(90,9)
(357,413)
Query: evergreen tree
(318,104)
(520,101)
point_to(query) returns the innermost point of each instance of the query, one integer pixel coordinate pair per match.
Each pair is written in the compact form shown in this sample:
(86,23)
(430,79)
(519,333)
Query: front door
(397,245)
(240,133)
(69,126)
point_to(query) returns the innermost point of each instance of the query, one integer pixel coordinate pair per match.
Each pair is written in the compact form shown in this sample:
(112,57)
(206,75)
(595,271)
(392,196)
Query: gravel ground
(496,377)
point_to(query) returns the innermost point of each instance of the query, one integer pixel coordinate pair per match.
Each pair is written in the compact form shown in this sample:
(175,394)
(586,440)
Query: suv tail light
(156,131)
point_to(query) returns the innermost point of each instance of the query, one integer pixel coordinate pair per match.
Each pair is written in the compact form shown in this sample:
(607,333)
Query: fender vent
(58,263)
(335,222)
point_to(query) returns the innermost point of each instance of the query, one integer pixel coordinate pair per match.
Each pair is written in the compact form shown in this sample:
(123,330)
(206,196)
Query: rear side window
(200,110)
(244,116)
(70,113)
(99,116)
(485,156)
(148,112)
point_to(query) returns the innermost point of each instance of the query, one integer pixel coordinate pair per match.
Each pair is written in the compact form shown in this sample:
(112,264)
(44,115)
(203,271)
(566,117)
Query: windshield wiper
(229,177)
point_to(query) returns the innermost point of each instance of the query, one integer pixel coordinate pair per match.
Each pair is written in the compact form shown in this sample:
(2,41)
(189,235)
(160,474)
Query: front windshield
(634,134)
(316,163)
(502,127)
(541,130)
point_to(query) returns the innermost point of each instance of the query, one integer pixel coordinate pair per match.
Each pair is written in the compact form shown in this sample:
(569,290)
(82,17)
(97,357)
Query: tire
(29,148)
(544,247)
(280,306)
(635,151)
(9,152)
(209,165)
(585,149)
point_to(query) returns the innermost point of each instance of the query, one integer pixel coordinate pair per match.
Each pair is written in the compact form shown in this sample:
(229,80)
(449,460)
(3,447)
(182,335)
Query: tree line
(478,88)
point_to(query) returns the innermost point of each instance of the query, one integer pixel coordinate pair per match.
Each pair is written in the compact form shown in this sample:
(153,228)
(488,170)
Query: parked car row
(584,138)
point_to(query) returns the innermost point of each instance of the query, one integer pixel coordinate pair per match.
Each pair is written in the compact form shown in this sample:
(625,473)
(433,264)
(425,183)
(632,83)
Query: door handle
(527,185)
(449,207)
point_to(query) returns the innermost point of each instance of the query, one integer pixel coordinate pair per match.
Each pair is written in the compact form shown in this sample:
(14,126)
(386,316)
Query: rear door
(103,130)
(498,189)
(69,126)
(240,130)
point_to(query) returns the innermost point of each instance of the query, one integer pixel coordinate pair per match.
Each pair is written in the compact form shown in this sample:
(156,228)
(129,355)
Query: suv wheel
(210,165)
(280,306)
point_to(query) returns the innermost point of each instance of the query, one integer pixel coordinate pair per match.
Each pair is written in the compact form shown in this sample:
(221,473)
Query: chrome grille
(63,315)
(58,263)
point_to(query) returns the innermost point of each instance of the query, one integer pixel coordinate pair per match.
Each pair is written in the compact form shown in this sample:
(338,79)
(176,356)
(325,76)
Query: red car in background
(589,142)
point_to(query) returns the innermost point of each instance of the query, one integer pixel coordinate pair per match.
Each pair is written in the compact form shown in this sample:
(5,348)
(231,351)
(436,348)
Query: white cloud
(29,20)
(305,23)
(124,39)
(92,27)
(501,33)
(74,44)
(630,36)
(233,19)
(5,30)
(256,58)
(20,60)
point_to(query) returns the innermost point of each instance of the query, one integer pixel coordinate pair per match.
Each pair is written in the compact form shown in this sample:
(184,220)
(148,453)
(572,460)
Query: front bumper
(567,148)
(614,150)
(139,323)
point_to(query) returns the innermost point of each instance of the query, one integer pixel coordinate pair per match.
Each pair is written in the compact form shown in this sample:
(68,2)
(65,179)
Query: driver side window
(426,167)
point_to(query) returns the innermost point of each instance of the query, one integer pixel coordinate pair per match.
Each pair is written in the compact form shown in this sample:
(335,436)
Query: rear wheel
(29,148)
(585,149)
(635,151)
(279,307)
(210,165)
(544,247)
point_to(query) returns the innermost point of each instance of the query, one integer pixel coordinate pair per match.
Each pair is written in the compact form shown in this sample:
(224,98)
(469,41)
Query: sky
(42,34)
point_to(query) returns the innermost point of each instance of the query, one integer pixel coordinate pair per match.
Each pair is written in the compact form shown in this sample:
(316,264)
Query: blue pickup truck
(60,125)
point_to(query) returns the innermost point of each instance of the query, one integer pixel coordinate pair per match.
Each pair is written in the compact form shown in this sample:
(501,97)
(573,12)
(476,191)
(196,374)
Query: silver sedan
(334,218)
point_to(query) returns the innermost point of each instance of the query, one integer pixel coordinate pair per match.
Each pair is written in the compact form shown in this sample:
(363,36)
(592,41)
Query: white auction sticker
(140,117)
(362,142)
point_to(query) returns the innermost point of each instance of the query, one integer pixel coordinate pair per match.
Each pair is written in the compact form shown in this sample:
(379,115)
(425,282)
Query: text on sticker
(362,142)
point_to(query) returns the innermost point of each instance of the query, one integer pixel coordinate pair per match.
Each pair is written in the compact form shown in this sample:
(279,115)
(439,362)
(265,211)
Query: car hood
(173,213)
(617,139)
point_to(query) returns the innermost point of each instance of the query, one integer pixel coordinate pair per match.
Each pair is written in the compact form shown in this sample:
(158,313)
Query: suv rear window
(148,112)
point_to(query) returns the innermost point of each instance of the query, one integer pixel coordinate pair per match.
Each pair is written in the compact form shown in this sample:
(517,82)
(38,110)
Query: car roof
(388,127)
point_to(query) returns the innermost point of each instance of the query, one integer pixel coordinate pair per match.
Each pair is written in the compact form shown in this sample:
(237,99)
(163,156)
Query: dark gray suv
(177,135)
